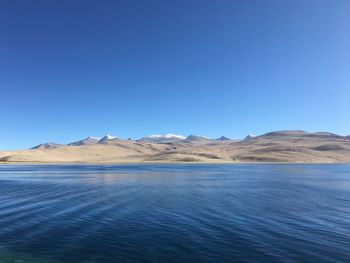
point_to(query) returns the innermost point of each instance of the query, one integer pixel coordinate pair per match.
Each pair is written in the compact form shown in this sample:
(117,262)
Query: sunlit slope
(281,146)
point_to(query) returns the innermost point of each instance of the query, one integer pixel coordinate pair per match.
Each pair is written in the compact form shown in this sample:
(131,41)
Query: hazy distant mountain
(298,134)
(283,134)
(88,141)
(48,145)
(162,138)
(196,138)
(223,138)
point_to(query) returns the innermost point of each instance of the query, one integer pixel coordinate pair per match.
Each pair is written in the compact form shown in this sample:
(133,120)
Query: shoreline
(153,163)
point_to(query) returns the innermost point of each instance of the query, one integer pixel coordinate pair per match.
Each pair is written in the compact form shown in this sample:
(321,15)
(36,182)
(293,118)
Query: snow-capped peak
(250,136)
(163,138)
(166,136)
(93,138)
(87,141)
(108,137)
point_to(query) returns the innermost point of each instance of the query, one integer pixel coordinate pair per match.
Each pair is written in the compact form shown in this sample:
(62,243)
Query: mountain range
(278,146)
(153,138)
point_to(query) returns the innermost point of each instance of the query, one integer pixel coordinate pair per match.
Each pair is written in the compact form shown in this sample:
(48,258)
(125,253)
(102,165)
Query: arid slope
(281,146)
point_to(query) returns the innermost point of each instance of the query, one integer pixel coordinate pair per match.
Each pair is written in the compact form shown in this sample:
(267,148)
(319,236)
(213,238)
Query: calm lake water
(175,213)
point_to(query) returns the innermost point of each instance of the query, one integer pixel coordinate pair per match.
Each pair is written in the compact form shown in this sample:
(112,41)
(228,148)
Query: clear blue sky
(70,69)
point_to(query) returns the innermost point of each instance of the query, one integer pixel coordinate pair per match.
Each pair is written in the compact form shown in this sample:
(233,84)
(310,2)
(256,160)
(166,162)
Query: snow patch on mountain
(167,136)
(163,138)
(87,141)
(107,138)
(249,136)
(93,138)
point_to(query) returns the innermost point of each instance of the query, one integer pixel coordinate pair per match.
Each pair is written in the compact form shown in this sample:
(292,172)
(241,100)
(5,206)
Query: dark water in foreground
(175,213)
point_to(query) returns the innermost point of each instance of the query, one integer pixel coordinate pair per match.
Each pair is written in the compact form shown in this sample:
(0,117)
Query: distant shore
(273,147)
(154,163)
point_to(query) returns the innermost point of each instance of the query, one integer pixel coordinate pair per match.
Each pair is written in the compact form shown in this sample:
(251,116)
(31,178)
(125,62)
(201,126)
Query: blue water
(175,213)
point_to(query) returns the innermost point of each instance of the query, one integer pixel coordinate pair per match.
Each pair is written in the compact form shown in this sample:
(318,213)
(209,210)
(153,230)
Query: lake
(175,213)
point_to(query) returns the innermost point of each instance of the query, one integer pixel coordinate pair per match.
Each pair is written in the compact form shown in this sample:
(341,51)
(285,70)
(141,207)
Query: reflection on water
(175,213)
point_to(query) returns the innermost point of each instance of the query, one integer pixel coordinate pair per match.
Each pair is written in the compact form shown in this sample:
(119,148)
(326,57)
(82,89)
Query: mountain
(197,138)
(107,138)
(249,137)
(278,146)
(293,146)
(162,138)
(324,135)
(298,134)
(284,134)
(48,145)
(87,141)
(223,138)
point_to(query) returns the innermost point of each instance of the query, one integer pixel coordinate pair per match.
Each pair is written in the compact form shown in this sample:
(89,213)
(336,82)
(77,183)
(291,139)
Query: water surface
(175,213)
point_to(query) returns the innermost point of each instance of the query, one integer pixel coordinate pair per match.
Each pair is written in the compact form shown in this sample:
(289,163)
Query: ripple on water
(175,213)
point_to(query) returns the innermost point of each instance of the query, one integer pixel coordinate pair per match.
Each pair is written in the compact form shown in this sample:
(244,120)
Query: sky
(72,69)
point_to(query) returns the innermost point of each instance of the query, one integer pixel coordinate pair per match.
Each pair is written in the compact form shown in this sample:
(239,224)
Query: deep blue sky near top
(70,69)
